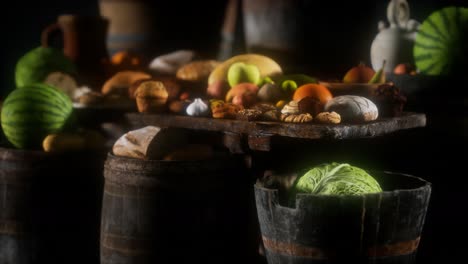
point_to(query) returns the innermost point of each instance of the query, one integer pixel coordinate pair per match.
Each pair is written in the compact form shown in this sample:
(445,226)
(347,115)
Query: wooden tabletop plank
(379,127)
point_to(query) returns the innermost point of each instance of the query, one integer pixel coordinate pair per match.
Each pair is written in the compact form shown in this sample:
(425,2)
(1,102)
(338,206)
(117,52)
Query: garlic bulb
(198,108)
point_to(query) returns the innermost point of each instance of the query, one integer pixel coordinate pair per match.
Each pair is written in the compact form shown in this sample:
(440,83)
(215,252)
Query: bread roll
(353,108)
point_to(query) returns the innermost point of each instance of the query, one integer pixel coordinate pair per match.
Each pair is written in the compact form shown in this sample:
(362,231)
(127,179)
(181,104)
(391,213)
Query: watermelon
(440,46)
(38,63)
(31,113)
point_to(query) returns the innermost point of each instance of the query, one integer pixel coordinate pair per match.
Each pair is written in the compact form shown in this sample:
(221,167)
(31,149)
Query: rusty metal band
(396,249)
(293,249)
(126,245)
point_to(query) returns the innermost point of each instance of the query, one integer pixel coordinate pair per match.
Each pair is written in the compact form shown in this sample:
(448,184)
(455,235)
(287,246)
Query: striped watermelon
(36,64)
(31,113)
(440,46)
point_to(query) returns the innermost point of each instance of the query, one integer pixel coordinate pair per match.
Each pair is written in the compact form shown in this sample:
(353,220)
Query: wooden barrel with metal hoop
(157,211)
(379,228)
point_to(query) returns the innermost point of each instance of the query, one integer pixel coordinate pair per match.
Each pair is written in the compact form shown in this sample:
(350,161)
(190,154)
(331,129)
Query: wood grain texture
(381,228)
(158,211)
(307,131)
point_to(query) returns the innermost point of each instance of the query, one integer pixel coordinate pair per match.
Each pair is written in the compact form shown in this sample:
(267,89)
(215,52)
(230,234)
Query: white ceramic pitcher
(394,43)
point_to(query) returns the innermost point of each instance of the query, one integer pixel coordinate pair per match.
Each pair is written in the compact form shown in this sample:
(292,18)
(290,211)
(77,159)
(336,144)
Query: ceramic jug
(394,43)
(131,26)
(84,42)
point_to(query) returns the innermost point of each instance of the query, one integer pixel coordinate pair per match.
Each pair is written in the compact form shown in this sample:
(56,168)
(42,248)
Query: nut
(328,118)
(300,118)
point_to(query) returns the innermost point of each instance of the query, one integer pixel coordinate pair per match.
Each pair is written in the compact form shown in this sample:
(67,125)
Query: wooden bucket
(373,228)
(175,211)
(50,206)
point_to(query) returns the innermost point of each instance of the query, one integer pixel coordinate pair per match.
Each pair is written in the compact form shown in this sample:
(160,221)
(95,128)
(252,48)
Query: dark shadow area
(336,35)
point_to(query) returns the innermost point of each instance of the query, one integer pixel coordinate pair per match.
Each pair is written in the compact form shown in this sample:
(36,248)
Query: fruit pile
(38,113)
(440,46)
(249,87)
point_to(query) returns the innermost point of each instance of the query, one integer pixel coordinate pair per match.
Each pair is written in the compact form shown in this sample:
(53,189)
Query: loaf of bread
(151,96)
(353,108)
(121,81)
(389,99)
(196,70)
(150,142)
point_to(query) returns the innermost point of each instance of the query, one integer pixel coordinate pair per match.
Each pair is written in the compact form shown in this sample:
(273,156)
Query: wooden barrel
(374,228)
(50,206)
(175,211)
(18,169)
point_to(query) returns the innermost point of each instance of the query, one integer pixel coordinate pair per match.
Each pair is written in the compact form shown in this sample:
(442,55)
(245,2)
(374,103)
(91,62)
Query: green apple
(240,72)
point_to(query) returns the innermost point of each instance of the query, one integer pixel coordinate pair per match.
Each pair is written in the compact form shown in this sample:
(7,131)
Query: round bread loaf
(353,108)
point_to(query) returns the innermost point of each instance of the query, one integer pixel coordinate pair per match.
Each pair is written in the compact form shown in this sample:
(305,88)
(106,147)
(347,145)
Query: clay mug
(84,42)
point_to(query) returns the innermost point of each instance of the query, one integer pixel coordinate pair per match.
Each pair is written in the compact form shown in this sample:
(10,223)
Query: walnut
(328,118)
(271,115)
(300,118)
(268,111)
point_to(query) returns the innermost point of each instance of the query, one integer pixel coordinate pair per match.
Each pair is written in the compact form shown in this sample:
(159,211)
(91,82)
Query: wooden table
(259,134)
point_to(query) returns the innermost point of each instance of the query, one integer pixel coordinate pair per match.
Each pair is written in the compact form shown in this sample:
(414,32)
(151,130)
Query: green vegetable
(266,80)
(441,45)
(299,79)
(37,63)
(289,86)
(31,113)
(335,178)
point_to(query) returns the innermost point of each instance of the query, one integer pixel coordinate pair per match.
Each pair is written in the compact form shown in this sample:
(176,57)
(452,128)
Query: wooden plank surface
(264,129)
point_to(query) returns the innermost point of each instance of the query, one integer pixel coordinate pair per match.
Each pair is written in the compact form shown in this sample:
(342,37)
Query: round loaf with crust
(353,108)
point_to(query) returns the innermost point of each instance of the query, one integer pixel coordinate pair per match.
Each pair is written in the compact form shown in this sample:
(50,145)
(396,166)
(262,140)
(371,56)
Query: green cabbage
(335,178)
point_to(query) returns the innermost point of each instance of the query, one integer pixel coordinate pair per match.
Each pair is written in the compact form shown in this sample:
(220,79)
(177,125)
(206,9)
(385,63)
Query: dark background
(338,36)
